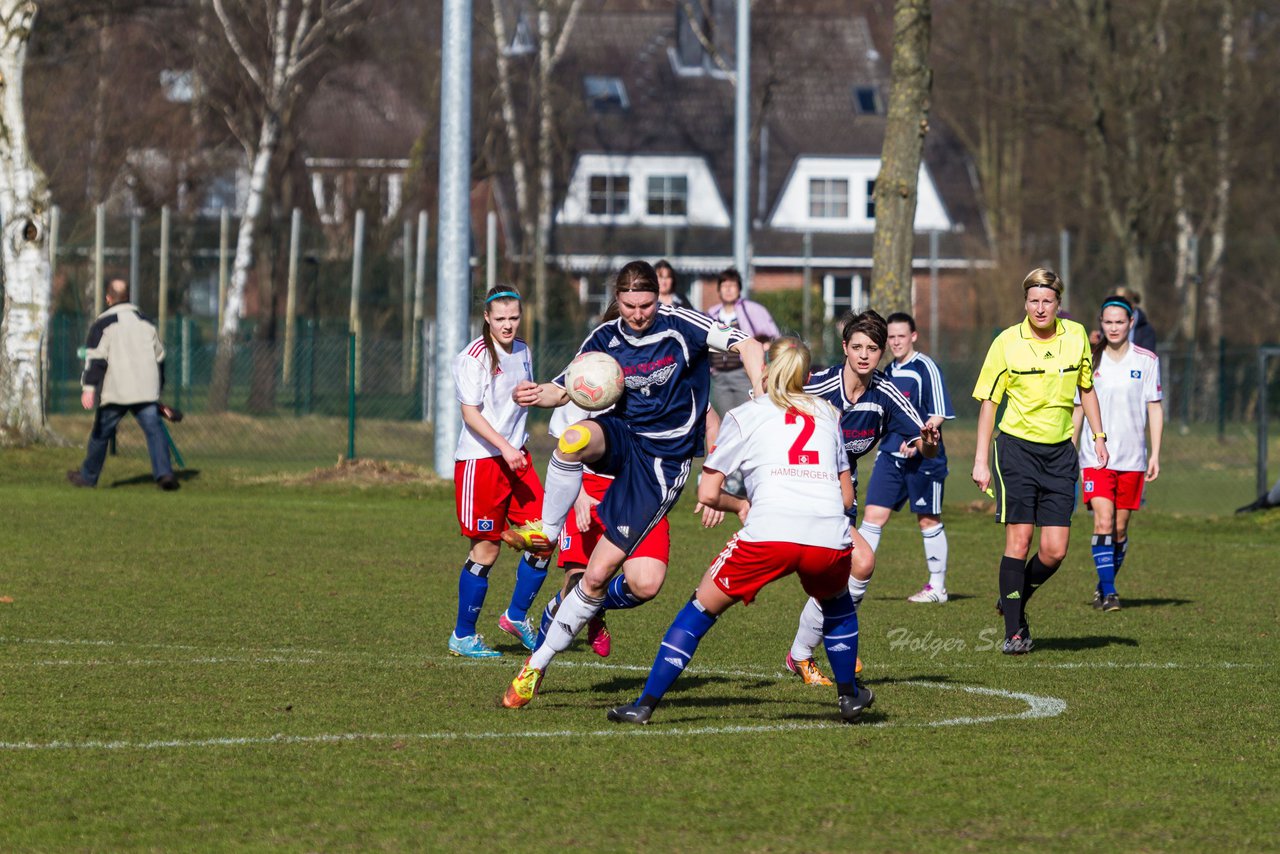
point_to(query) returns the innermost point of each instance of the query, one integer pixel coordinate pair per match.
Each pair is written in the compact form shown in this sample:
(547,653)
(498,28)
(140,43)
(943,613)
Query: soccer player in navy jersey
(903,476)
(870,406)
(788,446)
(646,442)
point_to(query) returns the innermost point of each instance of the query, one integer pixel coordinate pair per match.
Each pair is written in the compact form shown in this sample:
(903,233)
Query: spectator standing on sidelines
(123,373)
(902,475)
(788,446)
(494,479)
(668,293)
(1038,364)
(730,385)
(647,442)
(870,407)
(1126,378)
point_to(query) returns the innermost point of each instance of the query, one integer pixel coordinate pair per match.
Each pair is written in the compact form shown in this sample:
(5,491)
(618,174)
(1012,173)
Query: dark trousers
(104,428)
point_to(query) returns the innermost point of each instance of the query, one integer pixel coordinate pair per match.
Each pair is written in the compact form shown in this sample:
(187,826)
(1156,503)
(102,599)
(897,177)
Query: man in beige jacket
(123,373)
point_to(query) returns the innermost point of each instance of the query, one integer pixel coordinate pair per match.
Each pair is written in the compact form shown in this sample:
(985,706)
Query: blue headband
(1115,302)
(502,295)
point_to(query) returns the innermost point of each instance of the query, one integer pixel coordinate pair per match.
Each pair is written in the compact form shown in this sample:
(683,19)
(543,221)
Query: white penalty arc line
(1037,707)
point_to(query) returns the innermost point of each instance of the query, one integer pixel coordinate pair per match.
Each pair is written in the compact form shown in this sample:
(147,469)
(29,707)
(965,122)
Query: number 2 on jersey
(799,455)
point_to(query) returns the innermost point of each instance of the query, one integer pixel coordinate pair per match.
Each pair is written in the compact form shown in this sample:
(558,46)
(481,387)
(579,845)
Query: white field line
(1037,707)
(317,656)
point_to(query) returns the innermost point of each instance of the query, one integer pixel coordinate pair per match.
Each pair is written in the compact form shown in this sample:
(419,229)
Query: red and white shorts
(745,567)
(1122,488)
(576,546)
(488,493)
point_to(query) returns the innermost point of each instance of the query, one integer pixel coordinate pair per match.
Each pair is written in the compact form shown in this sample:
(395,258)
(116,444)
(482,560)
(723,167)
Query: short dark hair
(901,317)
(870,324)
(729,274)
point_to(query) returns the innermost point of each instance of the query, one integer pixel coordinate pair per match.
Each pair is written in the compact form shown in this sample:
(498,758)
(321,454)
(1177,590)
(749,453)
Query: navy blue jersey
(920,382)
(881,410)
(667,377)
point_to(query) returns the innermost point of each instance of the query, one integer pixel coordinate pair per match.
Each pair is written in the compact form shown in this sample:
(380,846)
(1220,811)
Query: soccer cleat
(472,646)
(1097,599)
(1017,645)
(929,593)
(523,687)
(598,636)
(853,705)
(1111,602)
(76,479)
(529,538)
(522,629)
(806,670)
(631,714)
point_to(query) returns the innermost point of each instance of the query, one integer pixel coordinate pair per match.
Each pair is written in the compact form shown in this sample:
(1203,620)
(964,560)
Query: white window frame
(666,195)
(828,198)
(611,194)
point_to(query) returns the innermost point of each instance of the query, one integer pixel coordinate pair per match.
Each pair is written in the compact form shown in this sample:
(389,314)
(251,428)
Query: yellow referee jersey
(1040,377)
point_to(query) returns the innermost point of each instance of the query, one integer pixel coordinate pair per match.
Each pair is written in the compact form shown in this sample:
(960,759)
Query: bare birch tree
(275,43)
(896,190)
(24,260)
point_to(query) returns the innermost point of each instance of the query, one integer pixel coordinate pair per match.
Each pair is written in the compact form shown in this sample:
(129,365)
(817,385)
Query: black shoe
(1023,628)
(76,479)
(1261,504)
(168,483)
(1097,599)
(631,714)
(1111,602)
(1017,645)
(852,705)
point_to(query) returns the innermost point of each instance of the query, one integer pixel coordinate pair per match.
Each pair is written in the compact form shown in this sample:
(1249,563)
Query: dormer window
(866,100)
(522,40)
(668,195)
(606,94)
(829,198)
(609,195)
(705,33)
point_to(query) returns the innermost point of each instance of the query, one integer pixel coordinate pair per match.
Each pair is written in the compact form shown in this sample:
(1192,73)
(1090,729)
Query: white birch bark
(24,261)
(297,33)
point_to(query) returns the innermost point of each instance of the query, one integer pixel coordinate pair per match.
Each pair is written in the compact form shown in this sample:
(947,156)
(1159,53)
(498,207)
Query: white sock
(935,556)
(871,533)
(564,480)
(858,589)
(576,609)
(809,632)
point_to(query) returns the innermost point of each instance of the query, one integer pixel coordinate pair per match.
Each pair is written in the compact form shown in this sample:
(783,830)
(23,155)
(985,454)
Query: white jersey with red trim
(1124,387)
(478,384)
(791,462)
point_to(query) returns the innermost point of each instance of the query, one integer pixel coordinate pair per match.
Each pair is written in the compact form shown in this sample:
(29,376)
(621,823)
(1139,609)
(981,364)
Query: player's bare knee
(644,588)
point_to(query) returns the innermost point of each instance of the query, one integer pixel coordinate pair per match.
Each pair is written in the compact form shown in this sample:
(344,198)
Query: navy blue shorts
(918,480)
(645,486)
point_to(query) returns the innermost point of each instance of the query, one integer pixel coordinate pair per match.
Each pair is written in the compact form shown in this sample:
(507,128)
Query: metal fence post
(351,395)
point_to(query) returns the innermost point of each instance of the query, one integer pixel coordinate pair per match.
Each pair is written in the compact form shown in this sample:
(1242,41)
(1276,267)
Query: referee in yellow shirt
(1037,364)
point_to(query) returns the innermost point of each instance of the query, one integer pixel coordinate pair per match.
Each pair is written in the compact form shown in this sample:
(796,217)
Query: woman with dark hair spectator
(730,387)
(668,288)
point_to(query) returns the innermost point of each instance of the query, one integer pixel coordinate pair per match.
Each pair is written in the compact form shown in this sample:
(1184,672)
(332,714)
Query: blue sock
(676,651)
(473,584)
(548,614)
(1122,549)
(529,577)
(1104,560)
(618,596)
(840,636)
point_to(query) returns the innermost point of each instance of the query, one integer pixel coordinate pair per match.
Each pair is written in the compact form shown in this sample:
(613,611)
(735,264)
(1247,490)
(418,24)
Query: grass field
(253,662)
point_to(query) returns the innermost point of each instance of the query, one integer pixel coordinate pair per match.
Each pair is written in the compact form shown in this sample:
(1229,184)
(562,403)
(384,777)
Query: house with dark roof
(652,175)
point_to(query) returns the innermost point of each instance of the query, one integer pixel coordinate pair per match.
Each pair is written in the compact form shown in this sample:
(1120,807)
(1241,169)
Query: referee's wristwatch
(1102,436)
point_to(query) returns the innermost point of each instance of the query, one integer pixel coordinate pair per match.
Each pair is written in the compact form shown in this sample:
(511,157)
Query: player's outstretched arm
(752,353)
(541,395)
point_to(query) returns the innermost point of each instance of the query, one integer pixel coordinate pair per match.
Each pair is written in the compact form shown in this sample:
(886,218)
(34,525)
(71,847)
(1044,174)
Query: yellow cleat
(523,687)
(528,538)
(806,670)
(858,667)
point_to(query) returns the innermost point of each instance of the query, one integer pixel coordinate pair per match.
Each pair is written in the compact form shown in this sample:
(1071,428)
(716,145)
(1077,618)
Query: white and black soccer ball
(594,381)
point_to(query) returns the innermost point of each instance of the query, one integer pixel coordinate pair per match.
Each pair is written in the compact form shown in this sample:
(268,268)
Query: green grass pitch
(252,663)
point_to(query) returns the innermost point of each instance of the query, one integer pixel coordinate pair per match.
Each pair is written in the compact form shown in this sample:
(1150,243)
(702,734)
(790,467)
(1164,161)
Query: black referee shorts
(1035,483)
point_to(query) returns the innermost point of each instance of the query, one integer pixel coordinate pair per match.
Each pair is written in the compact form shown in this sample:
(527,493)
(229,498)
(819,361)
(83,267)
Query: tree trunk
(1213,269)
(220,386)
(24,259)
(905,129)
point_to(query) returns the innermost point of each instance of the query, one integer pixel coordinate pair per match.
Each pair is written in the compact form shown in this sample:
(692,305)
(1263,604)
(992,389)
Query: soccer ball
(594,381)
